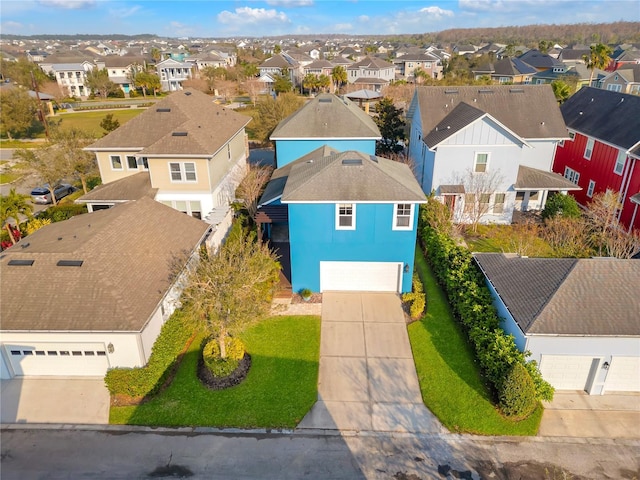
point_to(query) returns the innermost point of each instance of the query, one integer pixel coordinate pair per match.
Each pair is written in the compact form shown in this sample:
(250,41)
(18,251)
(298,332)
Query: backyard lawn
(520,239)
(279,390)
(90,121)
(451,385)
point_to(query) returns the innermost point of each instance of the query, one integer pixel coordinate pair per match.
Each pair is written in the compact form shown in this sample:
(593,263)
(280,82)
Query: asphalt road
(120,454)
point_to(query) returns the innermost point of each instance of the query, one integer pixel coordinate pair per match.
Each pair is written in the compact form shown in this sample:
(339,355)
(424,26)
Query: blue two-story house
(352,220)
(325,120)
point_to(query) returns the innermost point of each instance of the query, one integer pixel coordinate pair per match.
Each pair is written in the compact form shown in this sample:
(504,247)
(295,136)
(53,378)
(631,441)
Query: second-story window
(403,216)
(116,162)
(345,216)
(620,161)
(482,160)
(588,149)
(132,163)
(183,172)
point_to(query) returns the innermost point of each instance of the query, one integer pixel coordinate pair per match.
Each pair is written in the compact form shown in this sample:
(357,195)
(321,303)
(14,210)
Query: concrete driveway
(54,400)
(576,414)
(367,379)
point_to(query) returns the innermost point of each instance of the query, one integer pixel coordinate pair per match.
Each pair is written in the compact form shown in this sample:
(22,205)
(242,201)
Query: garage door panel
(360,276)
(566,372)
(57,359)
(623,375)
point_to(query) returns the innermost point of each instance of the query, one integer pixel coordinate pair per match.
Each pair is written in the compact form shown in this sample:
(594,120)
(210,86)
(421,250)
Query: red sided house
(604,150)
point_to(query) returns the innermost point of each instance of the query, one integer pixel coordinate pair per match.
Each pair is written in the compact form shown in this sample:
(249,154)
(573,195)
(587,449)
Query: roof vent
(25,245)
(163,109)
(187,93)
(179,134)
(324,100)
(485,90)
(451,92)
(373,158)
(69,263)
(21,263)
(352,161)
(516,90)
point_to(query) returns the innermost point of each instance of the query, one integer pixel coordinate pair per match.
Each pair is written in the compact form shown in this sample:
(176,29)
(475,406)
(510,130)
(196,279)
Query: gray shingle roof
(327,117)
(208,126)
(461,116)
(352,176)
(565,296)
(132,187)
(535,179)
(608,116)
(127,253)
(530,111)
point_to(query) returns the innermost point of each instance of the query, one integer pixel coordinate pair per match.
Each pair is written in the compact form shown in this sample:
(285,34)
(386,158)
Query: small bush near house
(144,381)
(416,299)
(564,205)
(222,367)
(58,213)
(35,224)
(518,396)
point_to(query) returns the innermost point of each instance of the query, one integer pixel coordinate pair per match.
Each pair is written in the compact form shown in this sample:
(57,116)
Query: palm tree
(599,57)
(339,76)
(12,206)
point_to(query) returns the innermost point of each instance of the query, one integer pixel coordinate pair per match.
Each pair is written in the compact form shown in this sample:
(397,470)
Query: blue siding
(314,238)
(289,150)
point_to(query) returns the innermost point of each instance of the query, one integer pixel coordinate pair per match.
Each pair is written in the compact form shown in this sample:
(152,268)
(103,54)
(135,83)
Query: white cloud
(363,18)
(436,12)
(69,4)
(125,12)
(180,29)
(343,27)
(252,16)
(290,3)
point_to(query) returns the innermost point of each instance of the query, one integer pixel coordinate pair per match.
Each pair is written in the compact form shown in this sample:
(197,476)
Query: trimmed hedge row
(147,380)
(472,305)
(107,107)
(416,299)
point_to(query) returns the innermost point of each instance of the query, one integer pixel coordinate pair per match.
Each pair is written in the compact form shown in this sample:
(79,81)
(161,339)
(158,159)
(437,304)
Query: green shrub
(517,395)
(58,213)
(147,380)
(218,366)
(559,204)
(416,298)
(35,224)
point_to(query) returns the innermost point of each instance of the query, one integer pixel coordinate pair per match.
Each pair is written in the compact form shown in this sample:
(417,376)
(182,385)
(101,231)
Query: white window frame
(592,187)
(397,216)
(588,148)
(143,163)
(486,164)
(622,155)
(498,207)
(183,172)
(571,175)
(113,167)
(353,216)
(135,161)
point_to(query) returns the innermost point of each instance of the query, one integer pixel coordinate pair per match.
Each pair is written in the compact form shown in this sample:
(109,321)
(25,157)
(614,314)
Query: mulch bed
(315,298)
(220,383)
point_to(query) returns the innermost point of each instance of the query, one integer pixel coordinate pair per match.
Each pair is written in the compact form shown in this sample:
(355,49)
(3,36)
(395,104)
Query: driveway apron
(367,379)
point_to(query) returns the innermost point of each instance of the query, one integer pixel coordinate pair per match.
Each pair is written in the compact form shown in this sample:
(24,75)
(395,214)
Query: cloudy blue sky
(209,18)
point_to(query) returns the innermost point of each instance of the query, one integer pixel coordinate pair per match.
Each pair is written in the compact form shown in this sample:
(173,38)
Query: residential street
(116,453)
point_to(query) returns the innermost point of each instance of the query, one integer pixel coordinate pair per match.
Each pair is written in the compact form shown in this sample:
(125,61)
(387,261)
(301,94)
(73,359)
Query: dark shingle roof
(352,176)
(461,116)
(327,116)
(537,59)
(208,127)
(530,111)
(127,253)
(608,116)
(567,296)
(535,179)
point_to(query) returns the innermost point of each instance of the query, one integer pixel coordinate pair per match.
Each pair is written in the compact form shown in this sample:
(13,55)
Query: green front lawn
(280,389)
(451,384)
(90,121)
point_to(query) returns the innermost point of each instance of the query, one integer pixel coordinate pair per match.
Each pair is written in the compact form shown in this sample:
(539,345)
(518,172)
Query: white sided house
(579,318)
(186,152)
(92,292)
(487,150)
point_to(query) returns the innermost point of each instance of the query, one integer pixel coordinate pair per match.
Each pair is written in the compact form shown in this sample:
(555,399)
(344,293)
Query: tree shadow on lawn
(278,391)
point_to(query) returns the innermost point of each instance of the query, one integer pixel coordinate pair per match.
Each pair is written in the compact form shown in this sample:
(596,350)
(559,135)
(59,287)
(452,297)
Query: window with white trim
(345,216)
(482,160)
(592,186)
(183,171)
(498,202)
(132,163)
(571,175)
(621,160)
(190,207)
(403,216)
(588,149)
(116,162)
(572,135)
(469,202)
(143,163)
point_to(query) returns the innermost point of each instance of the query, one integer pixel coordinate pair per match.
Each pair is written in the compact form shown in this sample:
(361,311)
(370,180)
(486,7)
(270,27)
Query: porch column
(543,198)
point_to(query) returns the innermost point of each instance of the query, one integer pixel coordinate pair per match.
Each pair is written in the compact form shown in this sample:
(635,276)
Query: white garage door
(623,375)
(361,276)
(61,359)
(566,372)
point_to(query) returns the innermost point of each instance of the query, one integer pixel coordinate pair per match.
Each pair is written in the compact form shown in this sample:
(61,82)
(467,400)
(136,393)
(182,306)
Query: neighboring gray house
(92,292)
(462,137)
(626,80)
(371,73)
(579,318)
(121,68)
(172,73)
